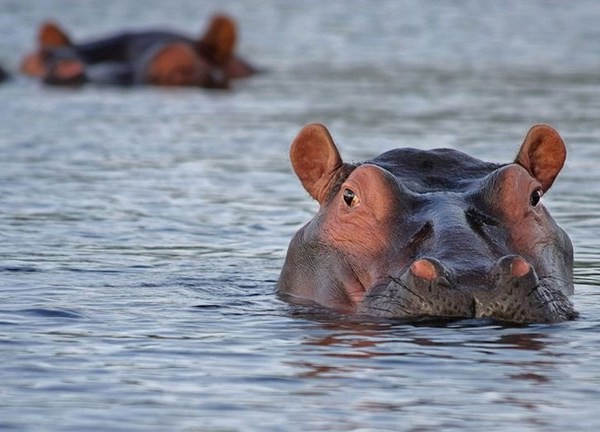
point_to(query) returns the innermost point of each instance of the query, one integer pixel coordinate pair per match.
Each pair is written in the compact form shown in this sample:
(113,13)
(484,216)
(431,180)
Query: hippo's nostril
(430,271)
(424,269)
(519,267)
(515,271)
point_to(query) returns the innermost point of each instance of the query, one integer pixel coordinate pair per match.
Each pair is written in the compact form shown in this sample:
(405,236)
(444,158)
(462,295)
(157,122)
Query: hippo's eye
(349,198)
(535,197)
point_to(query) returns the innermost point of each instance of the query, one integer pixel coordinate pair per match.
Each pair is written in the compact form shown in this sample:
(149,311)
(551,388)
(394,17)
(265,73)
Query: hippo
(153,57)
(414,234)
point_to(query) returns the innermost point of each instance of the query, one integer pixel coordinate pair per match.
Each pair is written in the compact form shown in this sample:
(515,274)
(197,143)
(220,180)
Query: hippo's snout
(509,291)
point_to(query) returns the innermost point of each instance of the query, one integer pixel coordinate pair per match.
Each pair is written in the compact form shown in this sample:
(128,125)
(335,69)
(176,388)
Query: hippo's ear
(315,160)
(219,40)
(543,154)
(51,35)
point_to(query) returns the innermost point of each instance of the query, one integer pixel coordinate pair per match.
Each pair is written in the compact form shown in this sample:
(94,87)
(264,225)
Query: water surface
(142,230)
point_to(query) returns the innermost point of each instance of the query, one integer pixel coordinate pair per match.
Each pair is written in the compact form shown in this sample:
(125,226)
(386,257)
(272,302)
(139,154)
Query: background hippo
(414,234)
(154,57)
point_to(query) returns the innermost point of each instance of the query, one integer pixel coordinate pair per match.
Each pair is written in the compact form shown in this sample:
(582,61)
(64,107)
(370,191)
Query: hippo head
(415,234)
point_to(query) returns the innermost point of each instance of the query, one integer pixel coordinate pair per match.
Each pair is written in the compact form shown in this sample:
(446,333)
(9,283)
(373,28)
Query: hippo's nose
(436,286)
(510,272)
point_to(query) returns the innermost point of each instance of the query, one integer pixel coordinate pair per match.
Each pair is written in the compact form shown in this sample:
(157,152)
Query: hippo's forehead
(434,170)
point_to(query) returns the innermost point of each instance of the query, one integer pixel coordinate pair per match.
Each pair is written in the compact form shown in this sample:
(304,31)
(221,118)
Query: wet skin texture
(415,234)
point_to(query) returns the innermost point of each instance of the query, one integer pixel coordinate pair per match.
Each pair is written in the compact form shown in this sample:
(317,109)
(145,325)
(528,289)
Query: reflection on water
(142,230)
(425,371)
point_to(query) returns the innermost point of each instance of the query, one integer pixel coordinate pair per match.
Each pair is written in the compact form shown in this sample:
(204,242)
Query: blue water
(142,230)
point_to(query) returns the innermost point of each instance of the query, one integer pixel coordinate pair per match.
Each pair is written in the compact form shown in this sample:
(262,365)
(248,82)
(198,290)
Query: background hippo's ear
(51,35)
(543,154)
(315,160)
(219,40)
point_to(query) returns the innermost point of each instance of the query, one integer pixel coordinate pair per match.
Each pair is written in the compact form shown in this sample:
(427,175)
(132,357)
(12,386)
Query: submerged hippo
(416,234)
(155,57)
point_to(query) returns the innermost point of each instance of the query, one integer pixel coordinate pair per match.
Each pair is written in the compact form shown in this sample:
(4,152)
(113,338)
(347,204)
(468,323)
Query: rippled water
(142,230)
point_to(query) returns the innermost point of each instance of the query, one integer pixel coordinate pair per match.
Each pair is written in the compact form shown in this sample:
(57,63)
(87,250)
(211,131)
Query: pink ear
(315,160)
(51,35)
(543,154)
(219,39)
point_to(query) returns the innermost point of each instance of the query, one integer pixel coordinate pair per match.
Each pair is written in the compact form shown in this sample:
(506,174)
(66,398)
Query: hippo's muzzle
(510,291)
